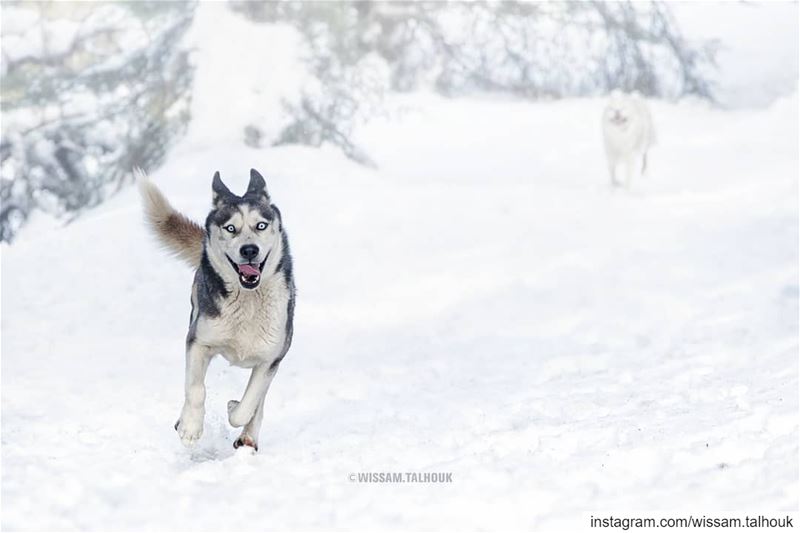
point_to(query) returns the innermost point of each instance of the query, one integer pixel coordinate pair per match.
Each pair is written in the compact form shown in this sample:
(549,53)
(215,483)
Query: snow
(482,304)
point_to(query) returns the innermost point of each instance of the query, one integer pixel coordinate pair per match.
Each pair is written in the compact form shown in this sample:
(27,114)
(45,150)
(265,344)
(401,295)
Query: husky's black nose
(249,251)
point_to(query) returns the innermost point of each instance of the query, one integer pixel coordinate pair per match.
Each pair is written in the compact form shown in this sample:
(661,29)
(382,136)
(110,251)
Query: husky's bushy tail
(176,232)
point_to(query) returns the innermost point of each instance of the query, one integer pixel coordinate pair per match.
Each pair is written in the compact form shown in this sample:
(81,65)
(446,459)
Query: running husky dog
(242,297)
(628,134)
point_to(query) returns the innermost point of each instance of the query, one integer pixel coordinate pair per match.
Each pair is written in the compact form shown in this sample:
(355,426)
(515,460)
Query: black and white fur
(243,296)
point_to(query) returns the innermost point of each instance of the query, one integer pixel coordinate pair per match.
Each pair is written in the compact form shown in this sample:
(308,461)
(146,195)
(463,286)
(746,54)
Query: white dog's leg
(612,171)
(190,424)
(644,163)
(240,413)
(628,171)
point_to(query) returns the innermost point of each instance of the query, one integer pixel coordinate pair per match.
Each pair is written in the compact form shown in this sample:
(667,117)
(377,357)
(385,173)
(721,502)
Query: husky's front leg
(249,435)
(250,410)
(190,425)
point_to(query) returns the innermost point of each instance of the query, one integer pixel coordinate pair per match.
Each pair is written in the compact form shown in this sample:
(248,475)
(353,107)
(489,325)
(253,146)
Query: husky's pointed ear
(219,189)
(257,187)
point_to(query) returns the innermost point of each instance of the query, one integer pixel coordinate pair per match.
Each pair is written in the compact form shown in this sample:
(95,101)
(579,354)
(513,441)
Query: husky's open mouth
(249,274)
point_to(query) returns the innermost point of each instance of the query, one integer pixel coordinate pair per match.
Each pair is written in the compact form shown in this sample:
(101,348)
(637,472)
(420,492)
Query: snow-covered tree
(357,51)
(88,91)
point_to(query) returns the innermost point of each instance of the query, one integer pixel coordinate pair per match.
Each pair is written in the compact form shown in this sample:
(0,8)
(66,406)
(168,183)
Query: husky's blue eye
(230,228)
(261,226)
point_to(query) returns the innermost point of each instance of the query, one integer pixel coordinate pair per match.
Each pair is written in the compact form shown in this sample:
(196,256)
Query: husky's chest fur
(250,327)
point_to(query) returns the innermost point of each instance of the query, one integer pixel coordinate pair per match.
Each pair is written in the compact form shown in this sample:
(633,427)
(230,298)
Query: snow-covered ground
(482,304)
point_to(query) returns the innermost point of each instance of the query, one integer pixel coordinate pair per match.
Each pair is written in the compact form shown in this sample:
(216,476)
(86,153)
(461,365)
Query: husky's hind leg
(644,163)
(190,425)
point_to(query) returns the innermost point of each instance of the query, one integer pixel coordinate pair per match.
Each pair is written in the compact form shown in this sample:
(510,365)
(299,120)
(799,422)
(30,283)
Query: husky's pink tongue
(249,270)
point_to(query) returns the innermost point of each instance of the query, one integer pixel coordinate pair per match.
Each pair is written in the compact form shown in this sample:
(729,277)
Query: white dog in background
(628,134)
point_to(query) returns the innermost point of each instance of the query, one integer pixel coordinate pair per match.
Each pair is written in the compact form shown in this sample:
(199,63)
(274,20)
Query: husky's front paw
(190,429)
(245,440)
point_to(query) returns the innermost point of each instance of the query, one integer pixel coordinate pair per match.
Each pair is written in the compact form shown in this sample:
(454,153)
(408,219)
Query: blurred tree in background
(91,89)
(358,51)
(88,91)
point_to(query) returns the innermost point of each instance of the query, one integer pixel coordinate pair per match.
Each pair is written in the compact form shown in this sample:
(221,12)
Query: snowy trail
(482,304)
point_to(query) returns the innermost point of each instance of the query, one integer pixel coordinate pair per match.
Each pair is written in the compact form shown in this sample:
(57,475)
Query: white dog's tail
(180,235)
